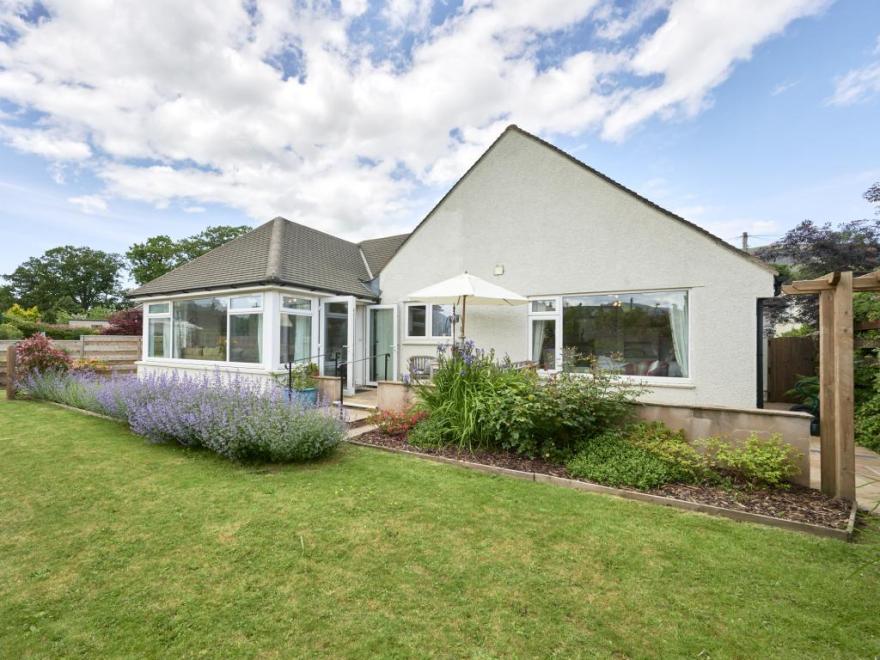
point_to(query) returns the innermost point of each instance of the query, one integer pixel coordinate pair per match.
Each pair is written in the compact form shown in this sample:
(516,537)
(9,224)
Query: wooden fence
(788,360)
(117,351)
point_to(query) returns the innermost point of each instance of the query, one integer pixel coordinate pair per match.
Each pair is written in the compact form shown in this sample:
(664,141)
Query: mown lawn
(110,546)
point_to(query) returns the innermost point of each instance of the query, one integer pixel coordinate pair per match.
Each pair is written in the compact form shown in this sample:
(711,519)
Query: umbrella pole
(463,315)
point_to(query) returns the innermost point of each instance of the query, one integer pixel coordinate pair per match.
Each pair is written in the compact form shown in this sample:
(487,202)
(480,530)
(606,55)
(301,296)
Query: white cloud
(615,23)
(695,50)
(856,85)
(782,87)
(51,144)
(194,209)
(89,203)
(274,107)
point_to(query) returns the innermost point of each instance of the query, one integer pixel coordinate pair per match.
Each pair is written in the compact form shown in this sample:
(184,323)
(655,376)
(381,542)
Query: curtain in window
(296,337)
(678,321)
(537,340)
(544,343)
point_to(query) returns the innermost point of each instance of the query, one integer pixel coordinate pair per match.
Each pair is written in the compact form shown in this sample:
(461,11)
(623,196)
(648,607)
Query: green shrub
(612,459)
(10,331)
(759,462)
(799,331)
(30,328)
(19,313)
(670,446)
(430,432)
(868,425)
(479,403)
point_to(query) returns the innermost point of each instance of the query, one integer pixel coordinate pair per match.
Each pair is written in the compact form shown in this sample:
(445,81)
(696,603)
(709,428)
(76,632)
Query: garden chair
(421,367)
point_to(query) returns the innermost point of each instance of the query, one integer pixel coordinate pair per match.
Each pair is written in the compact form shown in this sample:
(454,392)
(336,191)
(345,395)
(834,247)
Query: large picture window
(200,329)
(636,334)
(428,321)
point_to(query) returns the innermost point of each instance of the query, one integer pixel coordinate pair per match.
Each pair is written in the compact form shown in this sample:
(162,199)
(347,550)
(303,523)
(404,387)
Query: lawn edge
(588,486)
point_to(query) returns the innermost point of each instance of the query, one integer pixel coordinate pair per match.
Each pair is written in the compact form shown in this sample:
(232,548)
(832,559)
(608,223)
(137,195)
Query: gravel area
(794,503)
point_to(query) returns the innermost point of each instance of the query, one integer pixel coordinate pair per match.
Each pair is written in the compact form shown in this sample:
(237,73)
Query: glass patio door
(382,341)
(336,336)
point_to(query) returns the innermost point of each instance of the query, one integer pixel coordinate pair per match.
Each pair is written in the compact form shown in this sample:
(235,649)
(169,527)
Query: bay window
(428,321)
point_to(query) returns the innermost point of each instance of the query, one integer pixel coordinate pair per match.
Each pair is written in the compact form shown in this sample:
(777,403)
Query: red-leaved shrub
(126,322)
(397,423)
(38,354)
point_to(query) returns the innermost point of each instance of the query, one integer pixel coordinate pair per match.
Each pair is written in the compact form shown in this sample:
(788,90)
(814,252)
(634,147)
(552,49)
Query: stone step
(356,417)
(355,405)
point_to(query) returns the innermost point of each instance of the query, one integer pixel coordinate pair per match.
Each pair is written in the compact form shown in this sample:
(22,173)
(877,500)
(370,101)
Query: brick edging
(587,486)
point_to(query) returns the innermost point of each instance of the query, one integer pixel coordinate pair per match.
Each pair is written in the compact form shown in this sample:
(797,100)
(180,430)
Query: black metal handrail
(289,366)
(344,374)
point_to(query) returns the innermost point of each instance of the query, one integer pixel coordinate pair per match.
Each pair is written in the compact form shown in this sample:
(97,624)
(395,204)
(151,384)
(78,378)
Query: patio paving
(867,474)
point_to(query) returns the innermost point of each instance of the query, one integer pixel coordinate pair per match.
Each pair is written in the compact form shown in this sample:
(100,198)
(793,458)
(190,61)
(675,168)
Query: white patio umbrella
(465,288)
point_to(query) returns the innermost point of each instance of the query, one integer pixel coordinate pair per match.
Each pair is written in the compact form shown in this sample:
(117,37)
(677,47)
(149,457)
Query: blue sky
(356,117)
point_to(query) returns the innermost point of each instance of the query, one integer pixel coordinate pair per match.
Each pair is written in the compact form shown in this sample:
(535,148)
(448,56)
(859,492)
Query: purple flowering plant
(238,418)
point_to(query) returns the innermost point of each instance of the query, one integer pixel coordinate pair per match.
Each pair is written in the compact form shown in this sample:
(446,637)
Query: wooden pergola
(836,390)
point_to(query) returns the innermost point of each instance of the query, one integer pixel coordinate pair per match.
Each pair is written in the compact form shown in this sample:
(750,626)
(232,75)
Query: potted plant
(301,381)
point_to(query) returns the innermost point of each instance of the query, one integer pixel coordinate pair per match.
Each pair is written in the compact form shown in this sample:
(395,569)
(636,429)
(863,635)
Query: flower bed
(795,503)
(238,419)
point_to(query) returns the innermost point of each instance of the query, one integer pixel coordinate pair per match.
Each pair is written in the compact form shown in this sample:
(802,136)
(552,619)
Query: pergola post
(827,370)
(836,387)
(844,426)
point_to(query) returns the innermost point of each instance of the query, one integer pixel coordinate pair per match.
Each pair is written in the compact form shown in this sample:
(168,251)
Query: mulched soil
(794,503)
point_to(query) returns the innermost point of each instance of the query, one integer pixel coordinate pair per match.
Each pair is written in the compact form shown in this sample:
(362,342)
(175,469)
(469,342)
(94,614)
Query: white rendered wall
(557,228)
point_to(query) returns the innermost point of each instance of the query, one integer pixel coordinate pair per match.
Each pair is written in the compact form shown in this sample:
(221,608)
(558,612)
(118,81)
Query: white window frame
(658,381)
(429,337)
(158,315)
(547,316)
(311,312)
(241,312)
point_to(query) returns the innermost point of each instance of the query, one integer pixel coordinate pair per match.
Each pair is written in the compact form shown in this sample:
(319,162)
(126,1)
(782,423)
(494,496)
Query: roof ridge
(276,242)
(383,238)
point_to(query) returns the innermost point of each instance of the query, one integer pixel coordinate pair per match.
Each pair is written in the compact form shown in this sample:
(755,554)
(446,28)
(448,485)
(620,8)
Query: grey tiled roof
(378,251)
(278,252)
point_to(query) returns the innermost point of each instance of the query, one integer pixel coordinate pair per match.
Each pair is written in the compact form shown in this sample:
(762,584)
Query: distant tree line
(70,281)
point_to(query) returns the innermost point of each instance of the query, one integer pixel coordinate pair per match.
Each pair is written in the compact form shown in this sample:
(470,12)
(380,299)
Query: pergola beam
(818,285)
(869,282)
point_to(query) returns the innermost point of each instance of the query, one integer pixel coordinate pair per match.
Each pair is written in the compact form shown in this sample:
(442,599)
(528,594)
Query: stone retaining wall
(697,422)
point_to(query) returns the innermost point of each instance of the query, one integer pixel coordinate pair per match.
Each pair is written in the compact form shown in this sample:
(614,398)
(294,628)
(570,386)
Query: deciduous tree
(160,254)
(67,276)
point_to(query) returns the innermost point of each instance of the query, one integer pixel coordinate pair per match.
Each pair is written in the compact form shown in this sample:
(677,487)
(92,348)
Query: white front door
(381,343)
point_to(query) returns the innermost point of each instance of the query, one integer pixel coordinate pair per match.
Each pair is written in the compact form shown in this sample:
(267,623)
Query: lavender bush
(238,419)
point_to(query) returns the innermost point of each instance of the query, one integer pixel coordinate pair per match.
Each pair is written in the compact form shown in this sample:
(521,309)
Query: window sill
(651,381)
(203,365)
(427,341)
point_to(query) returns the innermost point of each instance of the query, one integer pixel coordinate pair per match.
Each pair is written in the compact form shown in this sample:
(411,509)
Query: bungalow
(607,272)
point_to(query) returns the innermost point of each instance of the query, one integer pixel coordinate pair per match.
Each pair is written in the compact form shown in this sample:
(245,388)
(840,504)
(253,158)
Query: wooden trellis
(836,389)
